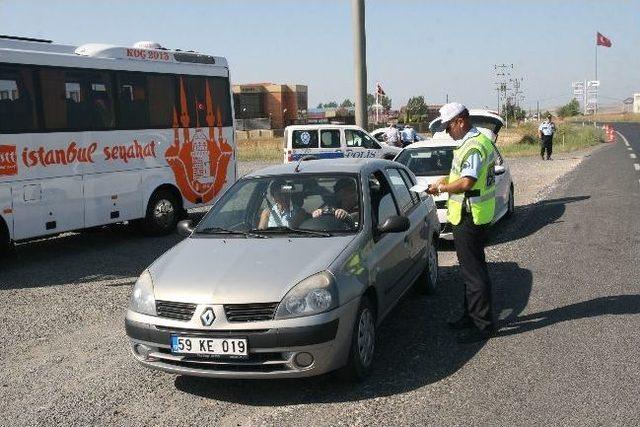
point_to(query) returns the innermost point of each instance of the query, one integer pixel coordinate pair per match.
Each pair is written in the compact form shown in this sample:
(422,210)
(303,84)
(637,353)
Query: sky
(430,48)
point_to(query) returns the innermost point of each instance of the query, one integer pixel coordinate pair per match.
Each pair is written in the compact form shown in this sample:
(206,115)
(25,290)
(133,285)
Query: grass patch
(524,141)
(607,117)
(269,149)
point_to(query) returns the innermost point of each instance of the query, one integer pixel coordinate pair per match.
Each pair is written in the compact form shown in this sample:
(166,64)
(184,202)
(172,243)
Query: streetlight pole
(360,61)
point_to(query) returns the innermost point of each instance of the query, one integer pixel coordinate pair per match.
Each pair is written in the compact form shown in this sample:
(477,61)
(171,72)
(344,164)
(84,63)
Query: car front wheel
(362,343)
(511,206)
(428,280)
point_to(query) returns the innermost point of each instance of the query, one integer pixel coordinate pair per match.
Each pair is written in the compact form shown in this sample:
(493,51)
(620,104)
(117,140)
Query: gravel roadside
(65,358)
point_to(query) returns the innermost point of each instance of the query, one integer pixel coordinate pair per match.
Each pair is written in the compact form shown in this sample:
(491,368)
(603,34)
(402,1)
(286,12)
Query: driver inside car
(347,204)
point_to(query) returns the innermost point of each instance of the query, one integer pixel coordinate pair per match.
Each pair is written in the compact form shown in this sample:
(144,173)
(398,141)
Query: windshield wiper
(283,229)
(220,230)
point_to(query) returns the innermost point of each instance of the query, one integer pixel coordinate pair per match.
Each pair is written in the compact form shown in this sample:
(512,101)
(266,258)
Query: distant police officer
(470,209)
(408,135)
(546,131)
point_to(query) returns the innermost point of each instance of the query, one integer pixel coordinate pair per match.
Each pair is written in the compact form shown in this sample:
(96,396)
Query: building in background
(269,105)
(636,102)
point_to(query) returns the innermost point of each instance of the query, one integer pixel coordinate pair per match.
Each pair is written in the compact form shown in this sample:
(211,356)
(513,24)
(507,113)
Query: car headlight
(142,298)
(315,294)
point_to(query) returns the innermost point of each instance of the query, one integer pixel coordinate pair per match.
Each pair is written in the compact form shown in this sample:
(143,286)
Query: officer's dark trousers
(469,240)
(546,145)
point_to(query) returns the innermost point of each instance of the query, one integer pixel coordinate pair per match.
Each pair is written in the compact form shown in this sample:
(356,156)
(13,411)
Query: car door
(388,257)
(502,184)
(361,145)
(416,238)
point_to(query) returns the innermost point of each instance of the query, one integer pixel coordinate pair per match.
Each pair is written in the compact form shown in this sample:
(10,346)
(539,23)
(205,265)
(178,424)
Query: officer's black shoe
(463,322)
(475,335)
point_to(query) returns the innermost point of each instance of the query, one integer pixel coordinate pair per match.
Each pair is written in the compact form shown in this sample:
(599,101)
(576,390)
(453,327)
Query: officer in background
(408,135)
(392,136)
(470,209)
(546,131)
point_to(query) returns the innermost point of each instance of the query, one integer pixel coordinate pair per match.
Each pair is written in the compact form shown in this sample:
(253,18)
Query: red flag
(379,90)
(602,41)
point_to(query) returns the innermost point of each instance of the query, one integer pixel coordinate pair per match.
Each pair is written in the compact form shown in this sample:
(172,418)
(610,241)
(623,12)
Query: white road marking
(629,148)
(632,155)
(623,138)
(637,166)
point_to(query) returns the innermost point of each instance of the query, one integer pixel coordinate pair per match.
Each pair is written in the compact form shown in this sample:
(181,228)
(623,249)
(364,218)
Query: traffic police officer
(470,209)
(546,131)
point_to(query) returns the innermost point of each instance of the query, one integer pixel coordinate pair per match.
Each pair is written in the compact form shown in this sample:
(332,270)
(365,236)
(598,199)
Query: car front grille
(250,312)
(175,310)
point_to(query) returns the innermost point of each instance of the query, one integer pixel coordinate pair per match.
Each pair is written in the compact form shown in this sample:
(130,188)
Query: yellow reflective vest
(481,199)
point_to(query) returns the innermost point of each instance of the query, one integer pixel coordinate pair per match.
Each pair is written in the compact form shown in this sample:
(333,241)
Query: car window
(312,202)
(405,201)
(427,161)
(358,139)
(383,204)
(304,139)
(410,183)
(330,138)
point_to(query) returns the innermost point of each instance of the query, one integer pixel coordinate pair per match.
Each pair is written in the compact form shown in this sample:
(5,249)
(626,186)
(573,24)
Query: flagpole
(376,106)
(596,60)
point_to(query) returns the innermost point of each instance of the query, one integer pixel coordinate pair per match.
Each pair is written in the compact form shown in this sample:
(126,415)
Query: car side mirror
(499,169)
(394,224)
(185,228)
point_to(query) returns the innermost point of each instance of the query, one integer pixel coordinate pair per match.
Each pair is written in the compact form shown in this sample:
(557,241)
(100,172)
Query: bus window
(133,101)
(162,100)
(76,100)
(195,92)
(17,112)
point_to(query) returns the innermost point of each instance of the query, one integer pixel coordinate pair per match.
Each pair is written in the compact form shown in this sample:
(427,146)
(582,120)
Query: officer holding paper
(470,209)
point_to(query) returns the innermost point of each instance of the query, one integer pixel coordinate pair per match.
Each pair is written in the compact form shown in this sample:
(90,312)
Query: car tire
(362,343)
(511,205)
(164,210)
(427,283)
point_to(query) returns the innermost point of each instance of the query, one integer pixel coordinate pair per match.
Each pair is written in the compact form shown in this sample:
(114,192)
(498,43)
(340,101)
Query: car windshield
(292,205)
(427,161)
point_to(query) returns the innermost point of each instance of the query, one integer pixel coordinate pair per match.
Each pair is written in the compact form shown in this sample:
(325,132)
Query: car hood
(426,180)
(238,270)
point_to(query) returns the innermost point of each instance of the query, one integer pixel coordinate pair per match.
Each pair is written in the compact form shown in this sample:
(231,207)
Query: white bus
(98,134)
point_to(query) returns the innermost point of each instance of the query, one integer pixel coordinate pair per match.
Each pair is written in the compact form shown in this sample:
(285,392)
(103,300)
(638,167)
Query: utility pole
(360,61)
(502,74)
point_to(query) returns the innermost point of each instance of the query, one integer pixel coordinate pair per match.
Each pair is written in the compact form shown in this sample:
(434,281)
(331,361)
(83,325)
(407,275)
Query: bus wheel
(163,213)
(6,245)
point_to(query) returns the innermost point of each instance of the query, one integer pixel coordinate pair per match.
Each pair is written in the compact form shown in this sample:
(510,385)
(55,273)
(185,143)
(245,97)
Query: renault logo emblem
(207,316)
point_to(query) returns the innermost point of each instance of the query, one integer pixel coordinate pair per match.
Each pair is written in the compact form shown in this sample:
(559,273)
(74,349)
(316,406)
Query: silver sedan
(289,274)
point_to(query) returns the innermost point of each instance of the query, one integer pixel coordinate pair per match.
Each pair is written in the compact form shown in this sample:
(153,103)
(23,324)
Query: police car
(430,160)
(312,142)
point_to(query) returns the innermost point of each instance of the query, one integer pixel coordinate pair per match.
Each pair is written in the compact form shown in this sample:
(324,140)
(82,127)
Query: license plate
(209,346)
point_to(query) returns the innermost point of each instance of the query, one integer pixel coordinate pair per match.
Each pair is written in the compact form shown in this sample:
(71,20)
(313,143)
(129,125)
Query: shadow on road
(529,219)
(111,252)
(414,349)
(618,304)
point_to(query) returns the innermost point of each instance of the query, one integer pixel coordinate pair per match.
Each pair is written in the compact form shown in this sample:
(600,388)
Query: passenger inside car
(284,208)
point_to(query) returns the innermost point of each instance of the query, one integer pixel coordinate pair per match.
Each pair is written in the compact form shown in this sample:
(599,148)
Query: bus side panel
(112,197)
(47,206)
(6,208)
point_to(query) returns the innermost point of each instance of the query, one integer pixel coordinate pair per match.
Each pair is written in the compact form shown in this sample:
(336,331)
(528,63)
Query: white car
(430,160)
(379,135)
(314,142)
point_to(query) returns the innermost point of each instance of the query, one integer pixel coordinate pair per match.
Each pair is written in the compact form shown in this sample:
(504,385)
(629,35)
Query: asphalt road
(565,275)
